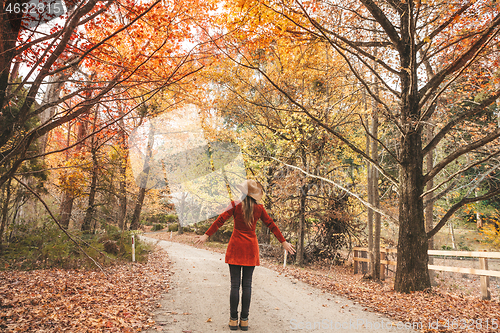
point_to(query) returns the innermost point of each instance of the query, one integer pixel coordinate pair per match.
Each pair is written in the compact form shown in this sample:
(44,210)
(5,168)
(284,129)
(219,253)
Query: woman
(242,252)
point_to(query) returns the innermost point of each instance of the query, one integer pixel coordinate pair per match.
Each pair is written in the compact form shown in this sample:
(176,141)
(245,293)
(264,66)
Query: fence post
(355,262)
(485,280)
(383,256)
(133,248)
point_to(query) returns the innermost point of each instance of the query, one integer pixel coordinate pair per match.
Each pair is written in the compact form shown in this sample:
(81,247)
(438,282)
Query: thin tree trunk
(89,214)
(67,195)
(5,211)
(369,188)
(302,215)
(264,235)
(429,208)
(181,214)
(375,200)
(122,196)
(452,235)
(302,224)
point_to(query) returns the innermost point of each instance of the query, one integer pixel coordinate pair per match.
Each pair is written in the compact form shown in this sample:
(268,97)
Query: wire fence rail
(361,256)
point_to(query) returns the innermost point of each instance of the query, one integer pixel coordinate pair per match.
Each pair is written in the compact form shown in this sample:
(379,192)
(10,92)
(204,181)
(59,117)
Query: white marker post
(133,248)
(284,261)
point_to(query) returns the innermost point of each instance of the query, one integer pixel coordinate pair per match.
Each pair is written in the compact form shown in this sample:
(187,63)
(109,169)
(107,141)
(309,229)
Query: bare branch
(459,172)
(460,62)
(447,128)
(365,203)
(446,23)
(460,151)
(457,206)
(380,17)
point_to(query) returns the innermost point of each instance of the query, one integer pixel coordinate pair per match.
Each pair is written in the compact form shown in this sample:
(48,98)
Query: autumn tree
(98,52)
(402,38)
(272,132)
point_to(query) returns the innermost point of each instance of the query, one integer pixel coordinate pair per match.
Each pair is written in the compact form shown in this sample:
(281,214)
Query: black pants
(246,294)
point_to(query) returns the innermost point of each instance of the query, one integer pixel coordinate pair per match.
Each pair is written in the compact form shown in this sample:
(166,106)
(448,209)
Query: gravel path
(198,300)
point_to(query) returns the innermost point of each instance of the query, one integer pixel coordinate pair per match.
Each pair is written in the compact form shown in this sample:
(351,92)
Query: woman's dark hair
(247,206)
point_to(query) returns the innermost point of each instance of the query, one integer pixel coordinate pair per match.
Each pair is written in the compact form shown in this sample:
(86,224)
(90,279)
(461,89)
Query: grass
(49,247)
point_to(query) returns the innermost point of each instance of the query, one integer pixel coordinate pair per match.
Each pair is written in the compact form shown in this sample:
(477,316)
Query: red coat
(243,248)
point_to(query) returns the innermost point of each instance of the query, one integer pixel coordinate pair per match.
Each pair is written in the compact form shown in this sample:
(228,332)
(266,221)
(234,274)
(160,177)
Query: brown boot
(233,324)
(244,324)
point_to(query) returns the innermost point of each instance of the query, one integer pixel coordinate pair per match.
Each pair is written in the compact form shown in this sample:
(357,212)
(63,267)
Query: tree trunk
(122,196)
(302,224)
(302,215)
(181,213)
(412,271)
(66,209)
(452,235)
(5,211)
(56,82)
(89,214)
(67,196)
(429,208)
(10,26)
(375,200)
(369,189)
(134,225)
(143,181)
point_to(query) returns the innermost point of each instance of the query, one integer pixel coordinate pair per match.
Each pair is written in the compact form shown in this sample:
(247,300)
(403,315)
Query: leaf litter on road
(438,309)
(59,300)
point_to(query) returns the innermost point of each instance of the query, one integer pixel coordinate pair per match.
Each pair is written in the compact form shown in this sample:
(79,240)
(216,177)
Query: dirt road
(199,301)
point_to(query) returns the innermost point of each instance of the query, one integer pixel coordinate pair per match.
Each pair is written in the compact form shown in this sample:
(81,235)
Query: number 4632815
(34,8)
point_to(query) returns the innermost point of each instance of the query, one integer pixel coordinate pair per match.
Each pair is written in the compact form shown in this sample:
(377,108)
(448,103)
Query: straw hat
(251,188)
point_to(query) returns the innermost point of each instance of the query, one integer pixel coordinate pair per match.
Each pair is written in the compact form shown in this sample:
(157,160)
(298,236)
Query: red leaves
(83,301)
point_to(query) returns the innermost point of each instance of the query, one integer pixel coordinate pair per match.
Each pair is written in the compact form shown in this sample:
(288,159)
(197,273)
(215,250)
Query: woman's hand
(288,247)
(201,239)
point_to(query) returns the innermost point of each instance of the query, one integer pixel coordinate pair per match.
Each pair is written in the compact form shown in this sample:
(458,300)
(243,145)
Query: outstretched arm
(276,231)
(217,224)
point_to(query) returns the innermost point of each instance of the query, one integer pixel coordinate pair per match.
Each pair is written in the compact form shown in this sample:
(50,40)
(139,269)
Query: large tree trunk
(412,271)
(68,193)
(10,25)
(143,182)
(56,82)
(66,208)
(134,225)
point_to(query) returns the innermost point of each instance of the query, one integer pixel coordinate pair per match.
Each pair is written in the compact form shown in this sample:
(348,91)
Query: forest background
(370,123)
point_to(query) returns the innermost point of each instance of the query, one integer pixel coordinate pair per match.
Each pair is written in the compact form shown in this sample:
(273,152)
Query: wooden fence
(360,256)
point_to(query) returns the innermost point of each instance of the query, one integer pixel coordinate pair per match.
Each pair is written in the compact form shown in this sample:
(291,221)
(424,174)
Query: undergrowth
(50,247)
